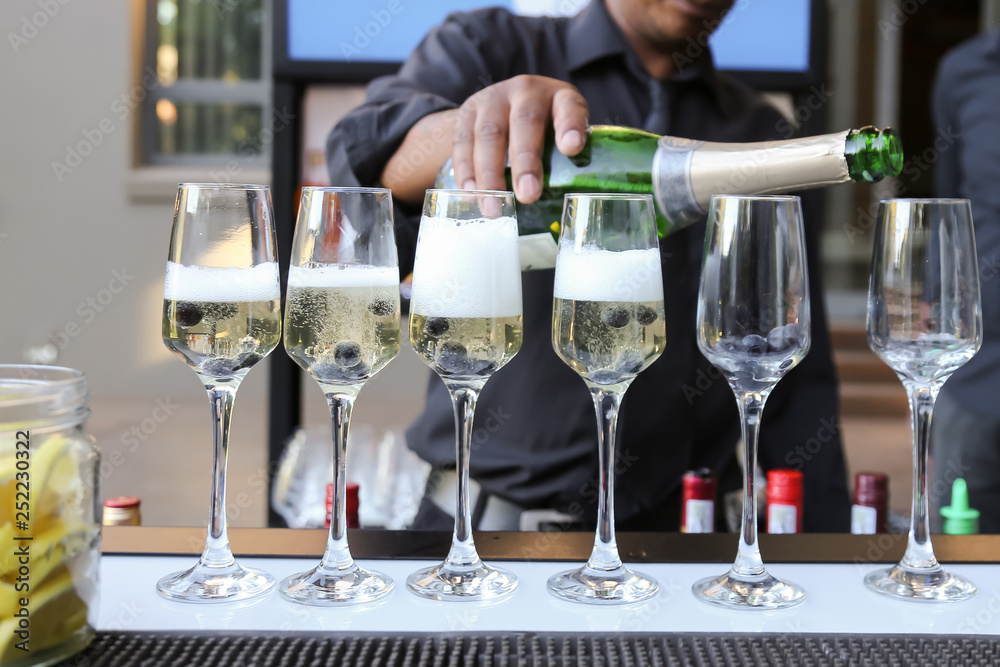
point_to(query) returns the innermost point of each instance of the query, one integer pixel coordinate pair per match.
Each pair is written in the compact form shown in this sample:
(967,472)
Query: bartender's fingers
(570,117)
(461,155)
(529,115)
(489,150)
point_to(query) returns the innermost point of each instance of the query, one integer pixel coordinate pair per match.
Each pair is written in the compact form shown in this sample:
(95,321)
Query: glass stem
(605,554)
(919,551)
(748,561)
(217,552)
(463,397)
(338,555)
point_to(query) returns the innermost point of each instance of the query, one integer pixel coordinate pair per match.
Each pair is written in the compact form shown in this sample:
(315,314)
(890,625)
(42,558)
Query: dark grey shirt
(536,432)
(967,115)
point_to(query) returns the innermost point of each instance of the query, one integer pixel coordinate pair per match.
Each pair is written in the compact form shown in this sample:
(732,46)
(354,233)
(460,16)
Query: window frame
(202,91)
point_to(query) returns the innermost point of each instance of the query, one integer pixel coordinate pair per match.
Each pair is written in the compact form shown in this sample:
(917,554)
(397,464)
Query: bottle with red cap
(784,501)
(350,500)
(122,511)
(870,512)
(698,503)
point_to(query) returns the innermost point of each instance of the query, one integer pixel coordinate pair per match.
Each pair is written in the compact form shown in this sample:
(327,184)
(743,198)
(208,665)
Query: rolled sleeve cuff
(367,138)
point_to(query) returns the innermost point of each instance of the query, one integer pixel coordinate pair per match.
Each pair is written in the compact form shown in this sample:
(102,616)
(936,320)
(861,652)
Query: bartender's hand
(509,119)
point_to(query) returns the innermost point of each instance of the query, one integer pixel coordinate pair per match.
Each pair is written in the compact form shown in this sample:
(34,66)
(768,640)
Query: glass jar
(50,539)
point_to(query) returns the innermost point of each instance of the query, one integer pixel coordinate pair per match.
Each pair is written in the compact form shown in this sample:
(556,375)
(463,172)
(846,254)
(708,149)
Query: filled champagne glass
(221,315)
(607,325)
(465,323)
(753,325)
(925,322)
(342,326)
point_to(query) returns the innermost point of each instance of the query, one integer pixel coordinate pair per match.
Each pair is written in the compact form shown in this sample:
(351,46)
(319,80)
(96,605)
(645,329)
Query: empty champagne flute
(465,323)
(342,326)
(607,325)
(221,315)
(753,325)
(924,322)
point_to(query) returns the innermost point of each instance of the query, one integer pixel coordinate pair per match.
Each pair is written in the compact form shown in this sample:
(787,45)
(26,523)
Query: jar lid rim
(26,384)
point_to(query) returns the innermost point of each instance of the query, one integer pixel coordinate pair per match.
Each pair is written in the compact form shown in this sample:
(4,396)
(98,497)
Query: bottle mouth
(34,397)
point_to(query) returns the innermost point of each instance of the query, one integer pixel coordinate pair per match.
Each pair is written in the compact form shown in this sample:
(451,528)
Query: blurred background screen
(757,35)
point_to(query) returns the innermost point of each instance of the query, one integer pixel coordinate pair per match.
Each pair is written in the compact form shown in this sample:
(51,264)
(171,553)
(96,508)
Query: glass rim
(481,193)
(225,186)
(611,195)
(71,374)
(48,382)
(926,200)
(347,189)
(759,197)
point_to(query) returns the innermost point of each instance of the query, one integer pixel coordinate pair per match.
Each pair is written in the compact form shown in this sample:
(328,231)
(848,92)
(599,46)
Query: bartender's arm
(506,119)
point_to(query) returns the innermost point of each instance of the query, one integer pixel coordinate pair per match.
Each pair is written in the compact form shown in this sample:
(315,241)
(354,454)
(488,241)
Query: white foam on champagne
(343,275)
(467,268)
(230,284)
(592,274)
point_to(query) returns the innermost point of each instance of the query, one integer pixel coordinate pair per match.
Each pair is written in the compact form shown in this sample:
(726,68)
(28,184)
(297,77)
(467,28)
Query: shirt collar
(593,35)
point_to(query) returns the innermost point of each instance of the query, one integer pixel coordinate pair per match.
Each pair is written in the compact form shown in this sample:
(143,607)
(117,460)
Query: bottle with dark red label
(350,500)
(784,501)
(698,504)
(870,512)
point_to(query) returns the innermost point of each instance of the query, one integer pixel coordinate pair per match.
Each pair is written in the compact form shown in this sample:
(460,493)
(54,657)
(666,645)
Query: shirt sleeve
(453,61)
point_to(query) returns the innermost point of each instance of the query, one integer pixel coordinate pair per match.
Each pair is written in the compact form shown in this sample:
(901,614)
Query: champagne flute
(607,325)
(221,315)
(342,326)
(753,325)
(465,323)
(924,322)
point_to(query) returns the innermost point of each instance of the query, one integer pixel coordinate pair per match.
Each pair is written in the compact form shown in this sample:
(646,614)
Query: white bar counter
(837,600)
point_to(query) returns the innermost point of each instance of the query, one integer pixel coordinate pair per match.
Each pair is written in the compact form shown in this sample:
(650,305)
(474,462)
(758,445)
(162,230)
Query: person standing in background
(487,85)
(966,427)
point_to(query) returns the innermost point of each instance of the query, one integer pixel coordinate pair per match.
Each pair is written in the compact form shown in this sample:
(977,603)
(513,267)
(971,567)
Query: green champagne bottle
(683,174)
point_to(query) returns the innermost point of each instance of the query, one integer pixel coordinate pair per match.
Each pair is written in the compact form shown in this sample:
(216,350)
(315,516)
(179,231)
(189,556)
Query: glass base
(759,592)
(215,584)
(934,584)
(322,586)
(467,582)
(618,586)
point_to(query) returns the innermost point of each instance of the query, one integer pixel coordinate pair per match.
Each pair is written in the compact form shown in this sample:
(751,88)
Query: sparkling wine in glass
(753,325)
(607,325)
(221,315)
(342,325)
(925,322)
(465,323)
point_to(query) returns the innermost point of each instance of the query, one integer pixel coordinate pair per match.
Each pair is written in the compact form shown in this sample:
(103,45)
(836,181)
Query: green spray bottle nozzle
(960,519)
